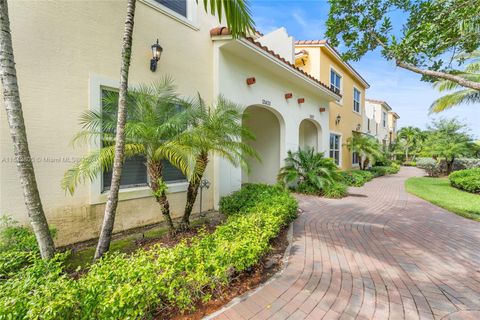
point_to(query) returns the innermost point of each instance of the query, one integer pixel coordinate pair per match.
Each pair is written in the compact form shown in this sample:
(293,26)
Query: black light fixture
(156,54)
(359,126)
(337,120)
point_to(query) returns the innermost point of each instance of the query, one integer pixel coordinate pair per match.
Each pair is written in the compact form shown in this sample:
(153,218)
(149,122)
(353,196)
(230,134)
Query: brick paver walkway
(381,253)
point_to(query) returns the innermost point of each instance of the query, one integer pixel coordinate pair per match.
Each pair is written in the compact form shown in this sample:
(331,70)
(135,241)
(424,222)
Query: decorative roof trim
(383,103)
(222,31)
(324,43)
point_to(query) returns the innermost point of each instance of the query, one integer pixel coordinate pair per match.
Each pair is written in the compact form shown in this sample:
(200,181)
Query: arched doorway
(308,135)
(267,128)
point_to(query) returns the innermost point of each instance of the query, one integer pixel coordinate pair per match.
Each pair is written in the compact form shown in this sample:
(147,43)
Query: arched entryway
(309,135)
(266,125)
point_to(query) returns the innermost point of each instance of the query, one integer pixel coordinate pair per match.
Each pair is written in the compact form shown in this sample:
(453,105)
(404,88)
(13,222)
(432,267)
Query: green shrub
(335,190)
(134,287)
(430,165)
(355,178)
(379,171)
(467,180)
(410,163)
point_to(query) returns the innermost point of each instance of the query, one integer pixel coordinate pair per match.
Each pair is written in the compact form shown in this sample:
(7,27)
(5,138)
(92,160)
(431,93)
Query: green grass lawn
(439,192)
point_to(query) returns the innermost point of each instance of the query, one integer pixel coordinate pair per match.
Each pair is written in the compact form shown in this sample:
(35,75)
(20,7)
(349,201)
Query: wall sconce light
(156,54)
(251,81)
(359,126)
(288,95)
(337,119)
(301,100)
(322,109)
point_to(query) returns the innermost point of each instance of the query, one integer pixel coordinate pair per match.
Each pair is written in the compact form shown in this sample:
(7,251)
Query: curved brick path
(378,254)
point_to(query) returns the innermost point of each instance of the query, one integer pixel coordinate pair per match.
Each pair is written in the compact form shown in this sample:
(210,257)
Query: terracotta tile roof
(224,31)
(327,44)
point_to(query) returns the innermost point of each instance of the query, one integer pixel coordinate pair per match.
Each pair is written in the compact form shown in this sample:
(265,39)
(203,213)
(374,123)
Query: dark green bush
(379,171)
(134,287)
(335,190)
(467,180)
(355,178)
(410,164)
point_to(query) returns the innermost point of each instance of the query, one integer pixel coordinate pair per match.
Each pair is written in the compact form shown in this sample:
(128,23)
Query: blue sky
(402,89)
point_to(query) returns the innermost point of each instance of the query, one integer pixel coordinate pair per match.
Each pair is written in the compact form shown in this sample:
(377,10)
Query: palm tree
(155,118)
(308,169)
(410,137)
(216,130)
(239,21)
(366,147)
(13,108)
(462,95)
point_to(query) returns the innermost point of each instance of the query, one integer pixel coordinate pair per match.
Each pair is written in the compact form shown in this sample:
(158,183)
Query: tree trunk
(406,154)
(112,201)
(159,190)
(13,107)
(193,185)
(441,75)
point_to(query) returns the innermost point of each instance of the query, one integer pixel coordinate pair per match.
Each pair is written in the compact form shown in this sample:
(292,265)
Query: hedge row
(467,180)
(133,287)
(357,178)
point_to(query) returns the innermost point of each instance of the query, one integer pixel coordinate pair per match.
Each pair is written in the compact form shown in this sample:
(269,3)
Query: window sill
(357,113)
(172,14)
(140,192)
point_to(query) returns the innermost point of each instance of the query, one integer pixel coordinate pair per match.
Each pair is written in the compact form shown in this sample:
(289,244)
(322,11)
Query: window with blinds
(134,173)
(179,6)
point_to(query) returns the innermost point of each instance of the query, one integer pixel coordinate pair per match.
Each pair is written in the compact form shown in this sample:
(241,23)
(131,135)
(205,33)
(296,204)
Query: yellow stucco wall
(59,46)
(319,64)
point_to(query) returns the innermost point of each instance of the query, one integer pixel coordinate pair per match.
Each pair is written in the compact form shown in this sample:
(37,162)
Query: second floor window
(335,81)
(356,100)
(384,119)
(179,6)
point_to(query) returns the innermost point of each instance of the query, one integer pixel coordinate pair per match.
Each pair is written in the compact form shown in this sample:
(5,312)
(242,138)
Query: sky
(402,89)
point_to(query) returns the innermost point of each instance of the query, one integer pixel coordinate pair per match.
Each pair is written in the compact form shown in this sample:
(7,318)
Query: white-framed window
(335,146)
(356,100)
(368,124)
(134,172)
(335,81)
(384,119)
(355,158)
(184,11)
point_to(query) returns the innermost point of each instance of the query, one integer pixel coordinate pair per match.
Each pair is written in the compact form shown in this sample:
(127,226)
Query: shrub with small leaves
(355,178)
(467,180)
(335,190)
(430,166)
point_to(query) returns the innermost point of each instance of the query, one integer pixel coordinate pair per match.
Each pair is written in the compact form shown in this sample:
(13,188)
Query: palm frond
(466,96)
(237,15)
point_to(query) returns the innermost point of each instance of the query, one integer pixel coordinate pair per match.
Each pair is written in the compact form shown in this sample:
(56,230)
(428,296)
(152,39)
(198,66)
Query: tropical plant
(214,130)
(410,138)
(432,30)
(467,180)
(155,119)
(448,140)
(367,148)
(461,95)
(308,170)
(335,190)
(239,21)
(14,112)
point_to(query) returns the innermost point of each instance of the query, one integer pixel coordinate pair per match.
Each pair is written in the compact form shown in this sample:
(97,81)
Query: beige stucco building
(380,121)
(68,52)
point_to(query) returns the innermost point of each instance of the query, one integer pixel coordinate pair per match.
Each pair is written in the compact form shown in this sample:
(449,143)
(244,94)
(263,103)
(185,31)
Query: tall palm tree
(410,137)
(155,118)
(308,169)
(239,21)
(216,130)
(13,108)
(462,95)
(368,148)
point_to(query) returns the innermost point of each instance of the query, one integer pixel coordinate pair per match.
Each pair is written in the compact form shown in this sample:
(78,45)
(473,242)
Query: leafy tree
(218,130)
(410,139)
(239,21)
(18,133)
(310,170)
(461,95)
(448,140)
(154,121)
(432,30)
(367,148)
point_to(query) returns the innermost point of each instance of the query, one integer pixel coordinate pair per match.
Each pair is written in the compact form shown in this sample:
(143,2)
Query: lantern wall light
(338,119)
(156,54)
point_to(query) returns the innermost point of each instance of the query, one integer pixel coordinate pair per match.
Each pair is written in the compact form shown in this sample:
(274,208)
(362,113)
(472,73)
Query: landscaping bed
(158,281)
(439,192)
